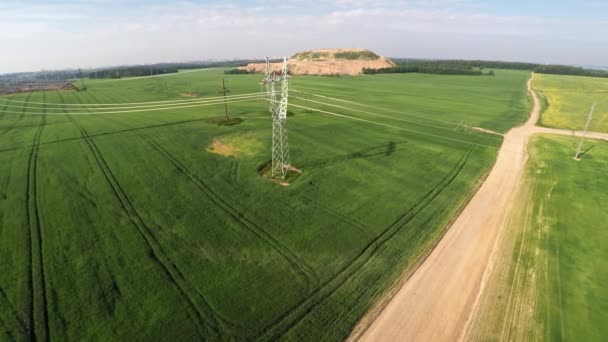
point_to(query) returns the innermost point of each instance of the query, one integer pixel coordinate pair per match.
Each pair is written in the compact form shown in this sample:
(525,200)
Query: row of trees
(161,68)
(476,67)
(428,68)
(237,71)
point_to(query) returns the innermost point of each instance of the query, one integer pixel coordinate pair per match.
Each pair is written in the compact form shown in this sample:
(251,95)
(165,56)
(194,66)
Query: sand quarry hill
(328,62)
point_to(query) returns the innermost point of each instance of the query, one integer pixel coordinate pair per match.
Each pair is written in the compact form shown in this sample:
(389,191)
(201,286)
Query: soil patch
(235,145)
(292,174)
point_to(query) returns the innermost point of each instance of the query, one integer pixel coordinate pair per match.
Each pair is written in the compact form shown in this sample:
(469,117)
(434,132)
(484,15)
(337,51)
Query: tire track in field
(206,319)
(7,332)
(519,274)
(5,303)
(27,99)
(295,261)
(294,315)
(234,171)
(105,133)
(335,213)
(37,302)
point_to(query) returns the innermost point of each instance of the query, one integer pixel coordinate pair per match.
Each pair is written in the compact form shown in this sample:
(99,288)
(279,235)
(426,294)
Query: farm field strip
(452,274)
(295,314)
(207,318)
(298,263)
(201,233)
(569,99)
(548,280)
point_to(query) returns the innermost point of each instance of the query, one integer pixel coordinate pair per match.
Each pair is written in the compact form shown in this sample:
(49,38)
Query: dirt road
(437,301)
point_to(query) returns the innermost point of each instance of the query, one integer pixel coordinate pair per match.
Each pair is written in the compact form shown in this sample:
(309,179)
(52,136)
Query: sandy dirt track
(437,301)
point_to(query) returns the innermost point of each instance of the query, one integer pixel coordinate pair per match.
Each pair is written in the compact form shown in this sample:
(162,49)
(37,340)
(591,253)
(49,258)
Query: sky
(58,34)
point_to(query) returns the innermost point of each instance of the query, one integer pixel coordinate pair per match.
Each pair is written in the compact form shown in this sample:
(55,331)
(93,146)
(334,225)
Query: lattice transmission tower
(280,144)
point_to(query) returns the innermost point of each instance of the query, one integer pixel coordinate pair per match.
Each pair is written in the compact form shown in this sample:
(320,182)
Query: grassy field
(154,223)
(549,281)
(569,100)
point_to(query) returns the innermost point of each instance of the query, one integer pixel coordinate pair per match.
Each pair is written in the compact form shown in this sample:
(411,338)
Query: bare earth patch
(292,173)
(235,145)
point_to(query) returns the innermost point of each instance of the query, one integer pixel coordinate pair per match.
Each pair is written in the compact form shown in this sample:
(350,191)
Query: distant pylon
(280,145)
(580,144)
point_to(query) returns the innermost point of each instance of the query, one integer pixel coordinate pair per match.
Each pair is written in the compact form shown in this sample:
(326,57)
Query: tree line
(160,68)
(477,67)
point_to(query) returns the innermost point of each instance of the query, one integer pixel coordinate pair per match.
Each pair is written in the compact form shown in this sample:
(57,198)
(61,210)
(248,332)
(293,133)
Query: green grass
(125,226)
(356,55)
(569,101)
(551,283)
(572,193)
(495,103)
(311,55)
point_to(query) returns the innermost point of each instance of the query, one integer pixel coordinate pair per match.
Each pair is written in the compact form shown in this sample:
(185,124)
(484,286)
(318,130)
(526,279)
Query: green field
(550,285)
(569,100)
(133,226)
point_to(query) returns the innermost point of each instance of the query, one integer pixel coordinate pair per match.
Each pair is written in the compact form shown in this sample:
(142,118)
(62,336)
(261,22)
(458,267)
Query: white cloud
(91,34)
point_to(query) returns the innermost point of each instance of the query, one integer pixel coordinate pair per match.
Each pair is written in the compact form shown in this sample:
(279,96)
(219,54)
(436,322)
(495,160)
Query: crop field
(549,283)
(569,100)
(125,219)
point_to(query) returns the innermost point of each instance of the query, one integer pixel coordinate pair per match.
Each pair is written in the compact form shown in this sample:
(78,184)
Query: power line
(392,126)
(389,117)
(127,103)
(101,109)
(380,108)
(216,102)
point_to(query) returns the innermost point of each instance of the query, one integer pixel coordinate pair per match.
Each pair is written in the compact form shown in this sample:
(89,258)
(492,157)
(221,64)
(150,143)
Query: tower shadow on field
(379,151)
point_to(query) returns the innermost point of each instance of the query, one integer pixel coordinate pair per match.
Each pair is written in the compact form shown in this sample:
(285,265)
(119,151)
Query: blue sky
(57,34)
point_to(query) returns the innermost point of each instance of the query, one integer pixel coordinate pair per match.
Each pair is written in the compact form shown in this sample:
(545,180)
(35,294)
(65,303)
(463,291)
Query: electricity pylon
(269,80)
(280,146)
(580,144)
(83,86)
(223,91)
